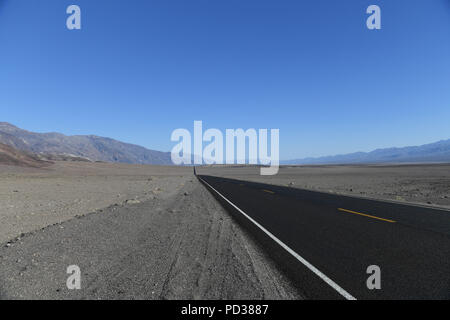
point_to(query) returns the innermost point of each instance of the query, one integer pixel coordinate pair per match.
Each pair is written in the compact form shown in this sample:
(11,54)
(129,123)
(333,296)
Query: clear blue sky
(139,69)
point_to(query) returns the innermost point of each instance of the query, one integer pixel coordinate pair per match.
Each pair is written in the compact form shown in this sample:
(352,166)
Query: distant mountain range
(31,147)
(433,152)
(89,147)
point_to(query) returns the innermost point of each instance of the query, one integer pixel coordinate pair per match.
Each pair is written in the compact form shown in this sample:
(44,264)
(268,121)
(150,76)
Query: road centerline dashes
(366,215)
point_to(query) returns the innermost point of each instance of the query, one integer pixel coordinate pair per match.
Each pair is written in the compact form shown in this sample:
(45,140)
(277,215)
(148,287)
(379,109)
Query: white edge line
(316,271)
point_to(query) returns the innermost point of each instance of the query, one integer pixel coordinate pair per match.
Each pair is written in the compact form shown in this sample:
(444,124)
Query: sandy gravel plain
(140,232)
(424,184)
(33,198)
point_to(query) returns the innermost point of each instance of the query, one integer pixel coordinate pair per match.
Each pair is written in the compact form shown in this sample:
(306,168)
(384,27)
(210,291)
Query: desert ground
(33,198)
(423,184)
(155,232)
(137,232)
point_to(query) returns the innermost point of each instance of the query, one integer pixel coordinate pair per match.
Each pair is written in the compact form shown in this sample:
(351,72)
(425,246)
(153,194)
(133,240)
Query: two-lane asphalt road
(328,241)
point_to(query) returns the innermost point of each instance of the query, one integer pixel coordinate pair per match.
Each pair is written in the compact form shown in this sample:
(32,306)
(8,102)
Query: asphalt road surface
(327,242)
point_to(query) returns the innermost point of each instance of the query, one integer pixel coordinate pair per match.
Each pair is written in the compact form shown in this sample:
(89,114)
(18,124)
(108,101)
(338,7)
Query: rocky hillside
(11,156)
(91,147)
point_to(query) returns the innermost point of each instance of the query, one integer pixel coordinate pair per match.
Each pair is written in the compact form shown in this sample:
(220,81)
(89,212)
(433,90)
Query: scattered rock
(132,201)
(186,193)
(156,190)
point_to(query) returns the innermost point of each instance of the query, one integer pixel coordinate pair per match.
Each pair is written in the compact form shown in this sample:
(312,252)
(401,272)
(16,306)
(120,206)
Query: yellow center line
(268,191)
(366,215)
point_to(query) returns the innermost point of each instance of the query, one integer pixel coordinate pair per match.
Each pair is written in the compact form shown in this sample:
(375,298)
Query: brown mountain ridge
(11,156)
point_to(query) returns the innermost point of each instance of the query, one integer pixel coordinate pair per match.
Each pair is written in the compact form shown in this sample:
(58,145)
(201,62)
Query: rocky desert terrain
(33,198)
